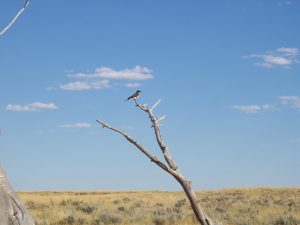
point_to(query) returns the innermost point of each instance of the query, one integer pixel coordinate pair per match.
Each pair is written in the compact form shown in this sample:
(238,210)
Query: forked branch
(155,124)
(138,145)
(15,18)
(172,169)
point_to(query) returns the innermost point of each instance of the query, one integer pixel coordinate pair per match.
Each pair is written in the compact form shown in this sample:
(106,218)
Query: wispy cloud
(252,108)
(76,125)
(282,57)
(133,85)
(284,3)
(85,85)
(35,106)
(103,76)
(50,88)
(293,101)
(289,51)
(127,127)
(136,73)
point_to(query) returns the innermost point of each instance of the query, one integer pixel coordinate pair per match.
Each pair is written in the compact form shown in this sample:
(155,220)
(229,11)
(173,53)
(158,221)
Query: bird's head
(138,91)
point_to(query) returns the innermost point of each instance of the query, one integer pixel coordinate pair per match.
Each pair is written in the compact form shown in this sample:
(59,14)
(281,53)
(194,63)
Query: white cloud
(289,51)
(282,57)
(284,3)
(83,85)
(264,64)
(136,73)
(76,86)
(252,108)
(35,106)
(133,85)
(76,125)
(127,127)
(103,76)
(50,88)
(277,60)
(294,101)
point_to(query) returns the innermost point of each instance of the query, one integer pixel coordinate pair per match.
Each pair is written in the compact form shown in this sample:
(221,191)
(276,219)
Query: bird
(134,96)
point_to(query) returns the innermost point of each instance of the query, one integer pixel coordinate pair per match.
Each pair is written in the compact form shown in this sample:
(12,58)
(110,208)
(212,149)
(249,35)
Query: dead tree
(171,166)
(15,18)
(12,210)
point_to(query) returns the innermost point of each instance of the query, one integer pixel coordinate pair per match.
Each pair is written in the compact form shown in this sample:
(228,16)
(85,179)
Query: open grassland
(259,206)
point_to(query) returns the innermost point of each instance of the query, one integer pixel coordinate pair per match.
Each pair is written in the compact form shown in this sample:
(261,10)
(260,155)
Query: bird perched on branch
(134,96)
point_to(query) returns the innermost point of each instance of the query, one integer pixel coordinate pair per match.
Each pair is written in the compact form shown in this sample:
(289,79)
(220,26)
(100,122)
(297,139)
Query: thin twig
(172,169)
(156,104)
(139,146)
(161,118)
(15,18)
(155,124)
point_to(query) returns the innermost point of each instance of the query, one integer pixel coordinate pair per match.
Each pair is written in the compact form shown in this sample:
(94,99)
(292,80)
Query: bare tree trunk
(172,168)
(197,209)
(12,210)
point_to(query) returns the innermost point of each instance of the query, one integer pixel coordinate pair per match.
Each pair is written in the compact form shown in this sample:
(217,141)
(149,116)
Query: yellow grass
(259,206)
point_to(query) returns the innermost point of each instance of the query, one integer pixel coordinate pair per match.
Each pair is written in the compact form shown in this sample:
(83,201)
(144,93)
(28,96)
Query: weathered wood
(172,168)
(15,18)
(12,210)
(155,124)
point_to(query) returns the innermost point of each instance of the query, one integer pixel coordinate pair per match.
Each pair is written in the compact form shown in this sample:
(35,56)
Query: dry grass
(260,206)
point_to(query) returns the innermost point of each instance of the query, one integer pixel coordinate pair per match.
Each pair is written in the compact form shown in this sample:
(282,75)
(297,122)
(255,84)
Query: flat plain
(246,206)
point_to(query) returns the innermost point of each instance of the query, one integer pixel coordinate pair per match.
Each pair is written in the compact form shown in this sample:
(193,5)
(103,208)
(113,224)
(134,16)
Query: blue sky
(227,73)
